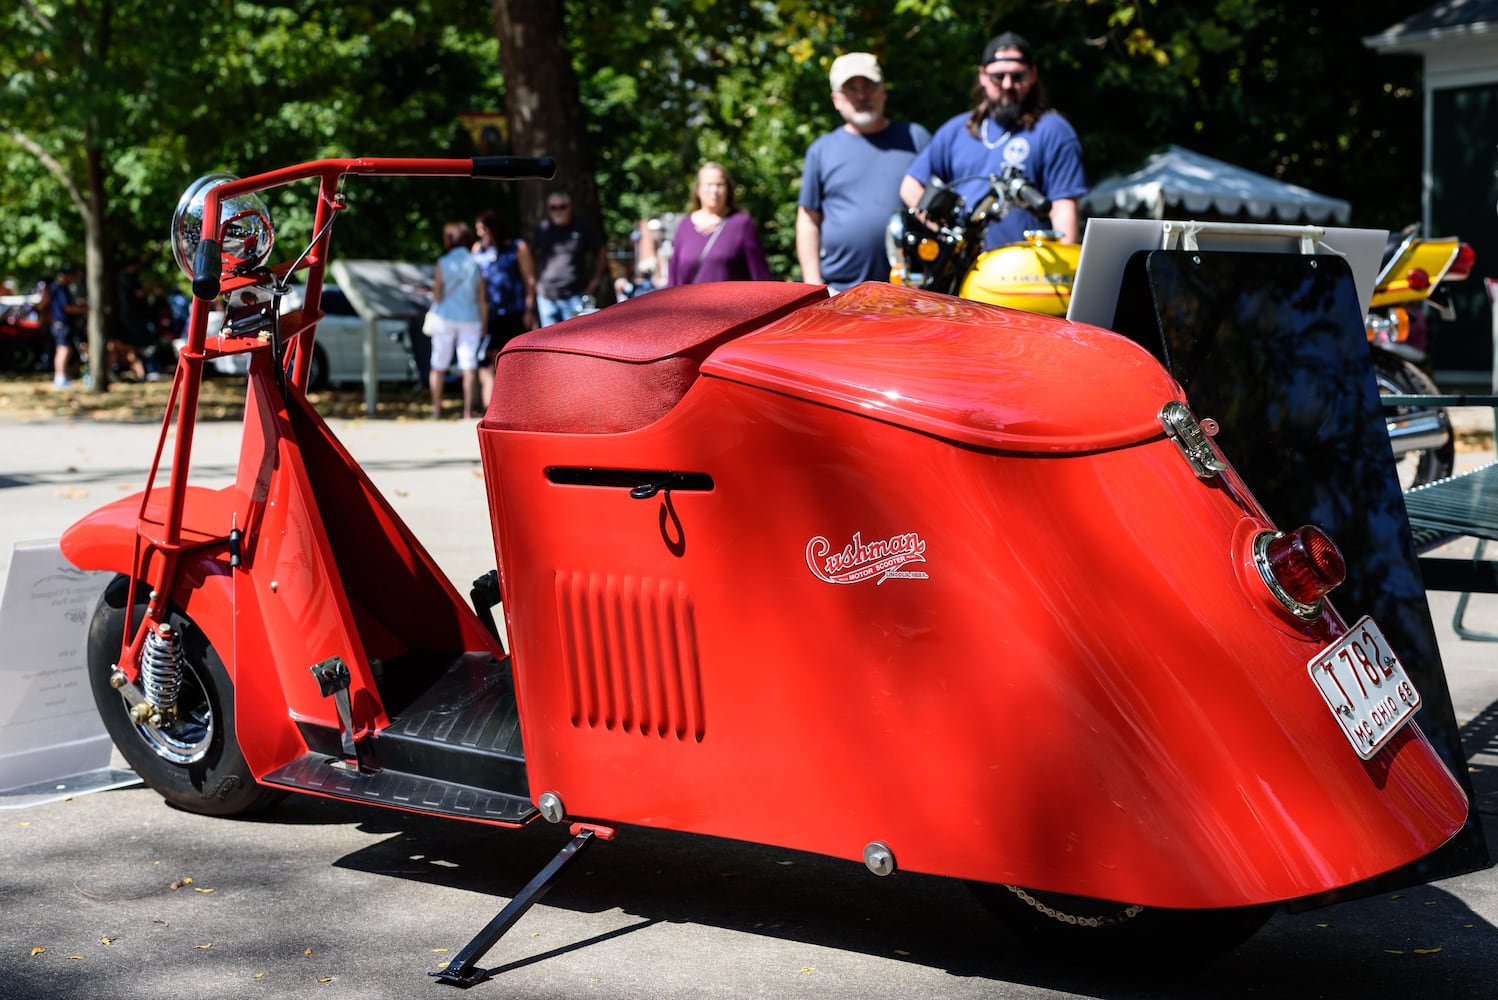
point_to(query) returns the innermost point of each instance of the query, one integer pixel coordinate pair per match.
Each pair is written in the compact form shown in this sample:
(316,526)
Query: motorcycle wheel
(1117,935)
(195,762)
(1396,376)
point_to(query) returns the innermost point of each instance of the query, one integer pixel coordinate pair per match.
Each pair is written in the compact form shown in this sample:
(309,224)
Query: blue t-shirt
(854,181)
(1049,154)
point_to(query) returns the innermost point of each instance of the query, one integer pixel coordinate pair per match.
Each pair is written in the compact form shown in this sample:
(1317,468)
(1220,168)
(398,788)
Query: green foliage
(165,92)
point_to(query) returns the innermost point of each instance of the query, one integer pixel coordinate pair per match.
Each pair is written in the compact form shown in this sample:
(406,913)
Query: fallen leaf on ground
(1426,951)
(203,947)
(106,940)
(37,950)
(196,889)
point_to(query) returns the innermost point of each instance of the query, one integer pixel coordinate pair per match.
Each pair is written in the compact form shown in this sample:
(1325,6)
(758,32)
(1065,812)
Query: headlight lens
(244,231)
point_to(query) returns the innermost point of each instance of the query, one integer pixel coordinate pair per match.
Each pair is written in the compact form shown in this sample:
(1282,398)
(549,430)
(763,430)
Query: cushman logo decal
(859,560)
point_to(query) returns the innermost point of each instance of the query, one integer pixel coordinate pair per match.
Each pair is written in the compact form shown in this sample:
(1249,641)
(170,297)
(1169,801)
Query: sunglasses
(1008,76)
(558,206)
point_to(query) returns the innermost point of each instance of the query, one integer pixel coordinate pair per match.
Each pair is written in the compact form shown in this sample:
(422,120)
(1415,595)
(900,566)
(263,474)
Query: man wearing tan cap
(850,183)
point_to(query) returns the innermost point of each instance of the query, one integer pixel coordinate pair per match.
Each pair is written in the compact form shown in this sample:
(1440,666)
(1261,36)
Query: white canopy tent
(1179,183)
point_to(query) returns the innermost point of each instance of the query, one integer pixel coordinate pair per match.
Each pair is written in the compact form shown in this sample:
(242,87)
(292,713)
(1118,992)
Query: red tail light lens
(1417,279)
(1466,258)
(1301,567)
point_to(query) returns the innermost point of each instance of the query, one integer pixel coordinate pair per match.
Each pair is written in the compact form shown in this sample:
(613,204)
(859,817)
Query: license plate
(1366,686)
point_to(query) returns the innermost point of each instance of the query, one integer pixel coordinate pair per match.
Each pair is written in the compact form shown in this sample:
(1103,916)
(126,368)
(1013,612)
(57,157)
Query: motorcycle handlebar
(1029,196)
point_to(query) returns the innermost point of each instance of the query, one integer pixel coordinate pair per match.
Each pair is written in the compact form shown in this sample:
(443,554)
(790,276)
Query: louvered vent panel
(630,655)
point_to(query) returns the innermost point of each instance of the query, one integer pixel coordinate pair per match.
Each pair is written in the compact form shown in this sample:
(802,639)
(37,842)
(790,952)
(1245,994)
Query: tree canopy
(111,107)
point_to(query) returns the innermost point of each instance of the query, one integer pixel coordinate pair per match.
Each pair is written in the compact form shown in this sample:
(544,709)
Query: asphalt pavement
(316,895)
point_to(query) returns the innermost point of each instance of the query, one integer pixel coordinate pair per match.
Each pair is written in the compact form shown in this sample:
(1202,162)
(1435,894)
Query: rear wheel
(193,760)
(1396,376)
(1103,932)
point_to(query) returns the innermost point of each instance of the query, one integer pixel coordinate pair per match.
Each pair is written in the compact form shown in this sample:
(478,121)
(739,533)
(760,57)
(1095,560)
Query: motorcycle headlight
(243,228)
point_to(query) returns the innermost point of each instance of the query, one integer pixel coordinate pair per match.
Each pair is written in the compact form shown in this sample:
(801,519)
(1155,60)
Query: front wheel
(1102,932)
(193,760)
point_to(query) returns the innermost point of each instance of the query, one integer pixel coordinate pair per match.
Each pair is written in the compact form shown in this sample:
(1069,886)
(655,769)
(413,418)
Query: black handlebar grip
(538,168)
(1034,200)
(207,268)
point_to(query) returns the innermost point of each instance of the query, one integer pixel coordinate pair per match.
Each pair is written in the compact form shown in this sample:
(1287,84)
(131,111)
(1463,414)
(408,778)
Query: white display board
(52,742)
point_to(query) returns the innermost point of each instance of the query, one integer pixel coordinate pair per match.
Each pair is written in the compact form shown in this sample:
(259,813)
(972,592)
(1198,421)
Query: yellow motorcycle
(938,246)
(1415,272)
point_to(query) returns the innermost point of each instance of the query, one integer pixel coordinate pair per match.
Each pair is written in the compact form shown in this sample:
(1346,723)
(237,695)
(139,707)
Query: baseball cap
(846,67)
(1008,40)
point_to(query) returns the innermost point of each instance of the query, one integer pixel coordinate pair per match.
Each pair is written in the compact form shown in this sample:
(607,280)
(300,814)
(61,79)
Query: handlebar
(1022,191)
(208,262)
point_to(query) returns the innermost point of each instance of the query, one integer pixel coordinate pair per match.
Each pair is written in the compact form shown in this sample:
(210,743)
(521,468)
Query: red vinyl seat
(626,366)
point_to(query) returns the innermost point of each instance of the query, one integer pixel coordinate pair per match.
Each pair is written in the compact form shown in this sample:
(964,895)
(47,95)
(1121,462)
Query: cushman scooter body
(889,576)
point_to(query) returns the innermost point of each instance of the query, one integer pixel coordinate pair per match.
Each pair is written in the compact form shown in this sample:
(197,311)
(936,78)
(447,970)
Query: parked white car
(338,356)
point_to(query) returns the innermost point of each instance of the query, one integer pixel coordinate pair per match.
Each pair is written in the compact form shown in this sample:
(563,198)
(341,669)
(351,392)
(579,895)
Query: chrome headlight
(243,228)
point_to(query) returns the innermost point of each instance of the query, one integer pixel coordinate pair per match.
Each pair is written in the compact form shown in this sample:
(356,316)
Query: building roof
(1447,19)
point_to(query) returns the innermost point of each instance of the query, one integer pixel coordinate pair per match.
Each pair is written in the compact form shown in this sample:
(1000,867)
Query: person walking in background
(1012,124)
(850,182)
(569,261)
(716,241)
(65,319)
(458,315)
(510,287)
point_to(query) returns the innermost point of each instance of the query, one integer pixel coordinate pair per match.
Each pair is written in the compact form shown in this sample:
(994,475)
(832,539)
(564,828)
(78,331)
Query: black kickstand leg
(460,971)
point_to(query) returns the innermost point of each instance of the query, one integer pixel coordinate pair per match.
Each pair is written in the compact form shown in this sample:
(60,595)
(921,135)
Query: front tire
(194,761)
(1118,935)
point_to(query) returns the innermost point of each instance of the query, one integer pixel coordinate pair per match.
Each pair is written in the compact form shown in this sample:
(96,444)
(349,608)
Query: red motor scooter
(890,576)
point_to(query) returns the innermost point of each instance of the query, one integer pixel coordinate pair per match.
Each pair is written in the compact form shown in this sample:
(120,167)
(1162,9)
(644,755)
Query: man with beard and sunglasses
(850,182)
(1012,124)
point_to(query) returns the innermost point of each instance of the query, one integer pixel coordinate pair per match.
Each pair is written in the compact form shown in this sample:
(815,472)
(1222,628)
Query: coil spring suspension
(161,668)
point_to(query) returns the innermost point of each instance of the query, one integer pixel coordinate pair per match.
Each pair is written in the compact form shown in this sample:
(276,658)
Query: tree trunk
(543,106)
(98,280)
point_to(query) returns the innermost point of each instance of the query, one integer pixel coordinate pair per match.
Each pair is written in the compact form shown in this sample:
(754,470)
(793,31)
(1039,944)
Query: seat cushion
(626,366)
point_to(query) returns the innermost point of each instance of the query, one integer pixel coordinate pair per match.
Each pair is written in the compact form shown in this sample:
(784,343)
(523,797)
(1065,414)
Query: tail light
(1417,279)
(1466,257)
(1300,567)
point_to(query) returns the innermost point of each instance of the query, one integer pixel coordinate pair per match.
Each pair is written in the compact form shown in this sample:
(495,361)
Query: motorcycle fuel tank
(903,569)
(1035,275)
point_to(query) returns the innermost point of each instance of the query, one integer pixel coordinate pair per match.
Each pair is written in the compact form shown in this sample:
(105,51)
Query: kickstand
(460,971)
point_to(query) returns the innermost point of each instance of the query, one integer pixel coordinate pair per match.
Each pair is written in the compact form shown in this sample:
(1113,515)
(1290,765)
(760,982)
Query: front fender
(116,538)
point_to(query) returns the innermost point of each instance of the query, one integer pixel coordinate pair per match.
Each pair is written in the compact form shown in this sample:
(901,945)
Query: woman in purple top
(716,242)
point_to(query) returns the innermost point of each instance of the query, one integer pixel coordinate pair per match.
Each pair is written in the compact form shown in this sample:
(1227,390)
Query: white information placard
(52,742)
